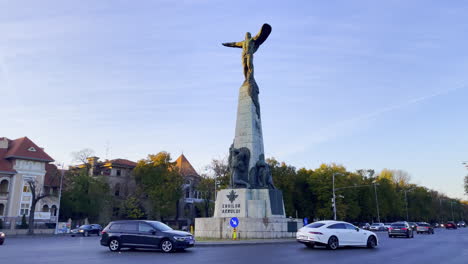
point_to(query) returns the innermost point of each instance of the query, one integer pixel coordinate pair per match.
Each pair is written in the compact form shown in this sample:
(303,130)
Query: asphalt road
(445,246)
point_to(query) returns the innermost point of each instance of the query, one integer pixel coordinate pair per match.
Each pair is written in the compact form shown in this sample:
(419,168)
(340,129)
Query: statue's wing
(262,35)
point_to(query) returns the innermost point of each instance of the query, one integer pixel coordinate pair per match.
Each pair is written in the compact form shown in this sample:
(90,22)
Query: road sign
(234,222)
(306,221)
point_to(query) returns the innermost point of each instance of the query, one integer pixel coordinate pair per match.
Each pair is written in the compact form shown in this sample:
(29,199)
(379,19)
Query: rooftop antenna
(107,149)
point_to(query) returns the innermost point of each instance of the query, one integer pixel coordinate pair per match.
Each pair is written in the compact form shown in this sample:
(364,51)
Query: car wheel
(166,246)
(333,243)
(98,233)
(371,242)
(310,245)
(390,236)
(86,234)
(114,245)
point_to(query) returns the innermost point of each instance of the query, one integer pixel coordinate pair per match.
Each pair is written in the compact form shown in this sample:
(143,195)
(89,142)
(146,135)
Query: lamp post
(334,197)
(406,203)
(59,198)
(376,201)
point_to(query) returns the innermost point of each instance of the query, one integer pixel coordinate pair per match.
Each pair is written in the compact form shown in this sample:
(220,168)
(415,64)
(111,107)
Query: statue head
(248,36)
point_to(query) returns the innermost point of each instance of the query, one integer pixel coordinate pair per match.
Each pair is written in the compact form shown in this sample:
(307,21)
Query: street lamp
(406,203)
(59,198)
(376,200)
(334,197)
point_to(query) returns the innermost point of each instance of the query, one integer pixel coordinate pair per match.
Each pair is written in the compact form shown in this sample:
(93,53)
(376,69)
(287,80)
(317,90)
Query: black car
(2,238)
(400,229)
(86,230)
(461,224)
(144,234)
(450,225)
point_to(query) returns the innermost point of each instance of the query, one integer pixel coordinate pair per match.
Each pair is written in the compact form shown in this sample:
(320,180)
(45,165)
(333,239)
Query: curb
(243,243)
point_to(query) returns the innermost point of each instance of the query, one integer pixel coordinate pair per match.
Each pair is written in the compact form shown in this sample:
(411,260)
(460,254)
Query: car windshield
(377,224)
(315,225)
(159,226)
(398,225)
(85,226)
(423,224)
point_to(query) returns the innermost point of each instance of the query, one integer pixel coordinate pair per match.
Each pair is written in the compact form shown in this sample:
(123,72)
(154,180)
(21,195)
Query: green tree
(206,187)
(84,196)
(159,179)
(466,184)
(133,209)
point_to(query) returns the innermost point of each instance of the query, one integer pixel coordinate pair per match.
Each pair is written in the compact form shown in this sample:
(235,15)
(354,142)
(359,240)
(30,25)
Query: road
(446,246)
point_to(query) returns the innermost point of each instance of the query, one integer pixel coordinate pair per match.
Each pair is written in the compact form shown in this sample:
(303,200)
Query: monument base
(251,203)
(261,228)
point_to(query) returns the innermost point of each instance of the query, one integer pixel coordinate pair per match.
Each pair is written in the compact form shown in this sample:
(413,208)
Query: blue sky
(366,84)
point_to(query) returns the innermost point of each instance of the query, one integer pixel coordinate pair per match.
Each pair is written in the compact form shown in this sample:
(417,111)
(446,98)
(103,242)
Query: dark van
(144,234)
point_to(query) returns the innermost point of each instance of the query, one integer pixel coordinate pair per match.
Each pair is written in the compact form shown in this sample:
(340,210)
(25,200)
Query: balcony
(3,195)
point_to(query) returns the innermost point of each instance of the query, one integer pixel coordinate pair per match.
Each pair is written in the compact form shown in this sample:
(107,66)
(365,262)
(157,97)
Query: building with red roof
(21,160)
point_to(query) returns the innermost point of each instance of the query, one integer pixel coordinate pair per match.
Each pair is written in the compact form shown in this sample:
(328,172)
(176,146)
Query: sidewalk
(221,243)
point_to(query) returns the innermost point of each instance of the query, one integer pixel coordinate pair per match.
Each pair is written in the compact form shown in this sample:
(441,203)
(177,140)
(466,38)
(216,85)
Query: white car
(334,234)
(377,227)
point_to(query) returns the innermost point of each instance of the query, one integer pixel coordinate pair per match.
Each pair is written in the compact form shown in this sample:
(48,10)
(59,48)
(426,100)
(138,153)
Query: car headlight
(81,231)
(2,234)
(179,238)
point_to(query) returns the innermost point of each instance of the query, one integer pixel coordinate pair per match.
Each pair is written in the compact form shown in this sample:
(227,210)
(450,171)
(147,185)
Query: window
(145,228)
(53,210)
(115,227)
(119,172)
(45,208)
(129,227)
(115,211)
(187,193)
(315,225)
(160,226)
(351,227)
(337,226)
(26,188)
(117,189)
(24,210)
(2,208)
(4,186)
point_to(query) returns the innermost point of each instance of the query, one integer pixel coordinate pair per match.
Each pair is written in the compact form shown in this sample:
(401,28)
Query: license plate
(302,237)
(396,229)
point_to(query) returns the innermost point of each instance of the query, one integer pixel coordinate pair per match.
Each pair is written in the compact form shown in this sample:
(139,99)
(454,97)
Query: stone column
(248,126)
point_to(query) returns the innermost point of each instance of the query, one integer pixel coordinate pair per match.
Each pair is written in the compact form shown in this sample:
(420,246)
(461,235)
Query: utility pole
(334,198)
(377,202)
(406,203)
(451,205)
(59,199)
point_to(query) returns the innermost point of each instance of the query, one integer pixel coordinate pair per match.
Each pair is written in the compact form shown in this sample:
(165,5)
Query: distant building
(118,174)
(21,160)
(186,209)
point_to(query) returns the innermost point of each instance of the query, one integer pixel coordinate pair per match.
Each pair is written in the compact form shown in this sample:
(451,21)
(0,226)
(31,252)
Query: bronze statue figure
(249,46)
(239,166)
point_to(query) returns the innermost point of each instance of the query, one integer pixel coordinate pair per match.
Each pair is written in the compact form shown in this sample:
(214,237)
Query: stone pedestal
(264,228)
(260,212)
(253,203)
(248,125)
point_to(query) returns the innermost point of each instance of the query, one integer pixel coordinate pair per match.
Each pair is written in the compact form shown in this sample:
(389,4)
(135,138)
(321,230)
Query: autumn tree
(158,178)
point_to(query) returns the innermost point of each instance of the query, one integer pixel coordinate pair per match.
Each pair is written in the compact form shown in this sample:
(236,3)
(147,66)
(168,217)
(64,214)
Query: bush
(24,224)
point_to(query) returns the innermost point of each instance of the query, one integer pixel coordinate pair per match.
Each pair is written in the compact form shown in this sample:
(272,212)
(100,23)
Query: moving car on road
(450,225)
(2,238)
(334,234)
(424,228)
(387,225)
(413,225)
(400,229)
(144,234)
(377,227)
(86,230)
(364,226)
(461,224)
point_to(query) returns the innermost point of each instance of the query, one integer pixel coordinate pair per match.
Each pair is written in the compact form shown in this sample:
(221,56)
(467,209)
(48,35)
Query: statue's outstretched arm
(233,44)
